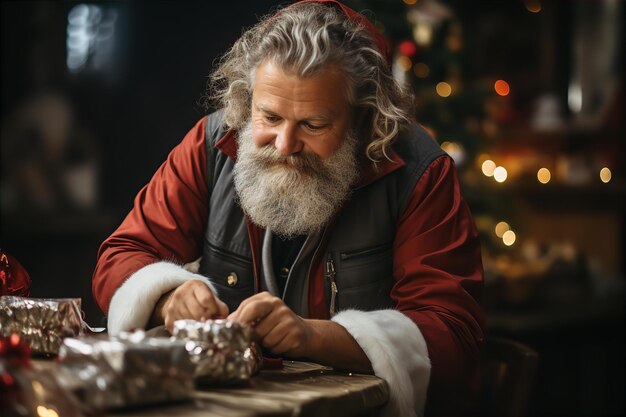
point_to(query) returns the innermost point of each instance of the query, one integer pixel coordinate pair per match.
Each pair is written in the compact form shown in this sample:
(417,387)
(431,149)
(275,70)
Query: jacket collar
(370,173)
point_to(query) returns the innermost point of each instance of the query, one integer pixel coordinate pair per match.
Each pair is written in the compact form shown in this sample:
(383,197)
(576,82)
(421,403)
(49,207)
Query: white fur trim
(133,302)
(398,354)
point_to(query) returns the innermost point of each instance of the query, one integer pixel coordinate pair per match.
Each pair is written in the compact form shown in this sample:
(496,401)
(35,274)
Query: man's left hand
(276,326)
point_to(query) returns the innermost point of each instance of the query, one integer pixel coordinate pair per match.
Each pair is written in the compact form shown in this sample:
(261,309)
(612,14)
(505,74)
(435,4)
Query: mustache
(304,162)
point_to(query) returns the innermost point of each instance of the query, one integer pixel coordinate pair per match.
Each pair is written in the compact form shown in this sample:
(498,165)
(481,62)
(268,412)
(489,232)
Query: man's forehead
(324,92)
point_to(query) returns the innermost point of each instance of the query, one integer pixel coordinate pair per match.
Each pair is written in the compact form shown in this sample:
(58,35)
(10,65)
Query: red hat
(357,17)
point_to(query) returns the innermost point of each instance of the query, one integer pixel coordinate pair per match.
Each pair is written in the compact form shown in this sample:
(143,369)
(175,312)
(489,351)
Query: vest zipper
(365,252)
(330,274)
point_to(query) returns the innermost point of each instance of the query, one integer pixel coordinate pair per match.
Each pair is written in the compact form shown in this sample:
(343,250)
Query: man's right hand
(191,300)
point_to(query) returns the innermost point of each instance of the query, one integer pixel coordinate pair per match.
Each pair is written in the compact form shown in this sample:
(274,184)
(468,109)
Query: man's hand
(276,326)
(191,300)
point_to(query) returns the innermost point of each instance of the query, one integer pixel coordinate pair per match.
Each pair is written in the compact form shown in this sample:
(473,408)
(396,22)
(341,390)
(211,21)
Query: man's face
(296,158)
(294,115)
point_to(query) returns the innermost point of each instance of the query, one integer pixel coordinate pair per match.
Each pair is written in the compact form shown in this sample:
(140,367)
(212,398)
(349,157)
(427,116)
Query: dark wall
(125,120)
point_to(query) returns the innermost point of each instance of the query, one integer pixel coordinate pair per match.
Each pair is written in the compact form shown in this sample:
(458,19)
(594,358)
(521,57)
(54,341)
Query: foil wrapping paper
(42,322)
(222,351)
(129,370)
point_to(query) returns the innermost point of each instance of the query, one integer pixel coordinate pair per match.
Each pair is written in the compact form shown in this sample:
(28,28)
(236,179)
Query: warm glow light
(502,228)
(404,63)
(407,48)
(444,89)
(508,237)
(575,98)
(605,175)
(500,174)
(455,150)
(488,167)
(422,33)
(38,388)
(46,412)
(533,6)
(410,2)
(421,70)
(502,88)
(543,175)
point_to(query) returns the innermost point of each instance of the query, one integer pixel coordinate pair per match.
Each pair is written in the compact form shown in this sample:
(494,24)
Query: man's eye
(313,127)
(271,119)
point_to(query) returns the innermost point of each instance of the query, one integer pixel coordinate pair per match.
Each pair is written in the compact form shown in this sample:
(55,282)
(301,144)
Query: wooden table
(299,389)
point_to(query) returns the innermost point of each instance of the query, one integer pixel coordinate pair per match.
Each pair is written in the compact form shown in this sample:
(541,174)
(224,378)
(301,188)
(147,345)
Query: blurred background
(526,96)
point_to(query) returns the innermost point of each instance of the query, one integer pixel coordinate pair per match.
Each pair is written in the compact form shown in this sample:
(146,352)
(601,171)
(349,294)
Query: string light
(543,175)
(605,175)
(488,167)
(421,70)
(404,63)
(502,228)
(500,174)
(508,237)
(533,6)
(502,88)
(444,89)
(407,48)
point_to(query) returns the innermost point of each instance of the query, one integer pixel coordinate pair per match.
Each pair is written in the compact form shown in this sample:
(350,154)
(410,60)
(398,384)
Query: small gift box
(222,351)
(129,370)
(43,323)
(27,391)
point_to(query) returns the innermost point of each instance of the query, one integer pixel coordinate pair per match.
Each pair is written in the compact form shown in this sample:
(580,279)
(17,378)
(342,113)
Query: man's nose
(287,142)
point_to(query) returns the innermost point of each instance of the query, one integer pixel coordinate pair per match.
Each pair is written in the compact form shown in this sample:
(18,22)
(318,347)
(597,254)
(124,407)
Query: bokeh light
(500,174)
(404,63)
(421,70)
(444,89)
(605,175)
(508,237)
(533,6)
(543,175)
(488,167)
(502,228)
(407,48)
(502,88)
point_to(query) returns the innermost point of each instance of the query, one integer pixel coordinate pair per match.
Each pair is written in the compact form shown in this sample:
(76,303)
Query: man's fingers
(271,331)
(222,309)
(211,306)
(253,311)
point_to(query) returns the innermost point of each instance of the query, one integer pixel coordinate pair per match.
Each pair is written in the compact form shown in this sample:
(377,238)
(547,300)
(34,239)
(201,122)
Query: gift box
(129,370)
(27,391)
(43,323)
(222,351)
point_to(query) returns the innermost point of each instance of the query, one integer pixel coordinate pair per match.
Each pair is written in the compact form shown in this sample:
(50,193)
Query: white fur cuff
(398,354)
(133,302)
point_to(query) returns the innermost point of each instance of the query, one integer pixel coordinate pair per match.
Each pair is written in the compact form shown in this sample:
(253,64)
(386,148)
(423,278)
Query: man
(321,214)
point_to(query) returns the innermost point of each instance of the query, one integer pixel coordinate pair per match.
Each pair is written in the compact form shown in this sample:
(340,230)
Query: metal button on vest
(231,279)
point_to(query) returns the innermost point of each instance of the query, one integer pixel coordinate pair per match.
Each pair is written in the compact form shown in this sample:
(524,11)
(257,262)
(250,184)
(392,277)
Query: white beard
(296,199)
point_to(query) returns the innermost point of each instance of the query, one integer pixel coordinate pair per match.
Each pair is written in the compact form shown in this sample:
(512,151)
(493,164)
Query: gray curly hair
(304,39)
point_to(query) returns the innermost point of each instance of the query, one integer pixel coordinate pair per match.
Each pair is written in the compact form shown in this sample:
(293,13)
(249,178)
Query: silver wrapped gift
(129,370)
(42,322)
(222,350)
